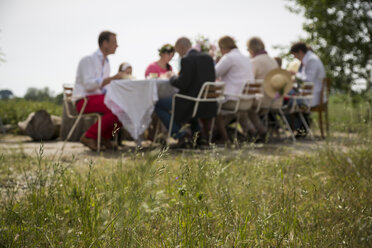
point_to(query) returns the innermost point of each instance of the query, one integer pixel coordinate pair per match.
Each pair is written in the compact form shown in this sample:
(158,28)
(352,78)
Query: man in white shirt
(93,74)
(311,69)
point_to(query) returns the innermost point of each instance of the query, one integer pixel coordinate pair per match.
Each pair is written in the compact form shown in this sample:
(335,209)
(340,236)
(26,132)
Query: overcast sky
(43,40)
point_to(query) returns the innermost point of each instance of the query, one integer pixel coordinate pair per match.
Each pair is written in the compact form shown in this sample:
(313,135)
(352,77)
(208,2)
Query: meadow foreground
(268,196)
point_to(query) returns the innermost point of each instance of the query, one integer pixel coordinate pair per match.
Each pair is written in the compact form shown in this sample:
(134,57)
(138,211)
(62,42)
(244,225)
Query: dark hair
(104,36)
(299,46)
(167,48)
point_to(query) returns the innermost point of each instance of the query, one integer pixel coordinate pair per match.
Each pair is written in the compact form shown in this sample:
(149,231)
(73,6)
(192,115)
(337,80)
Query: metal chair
(275,109)
(209,92)
(71,113)
(305,95)
(252,91)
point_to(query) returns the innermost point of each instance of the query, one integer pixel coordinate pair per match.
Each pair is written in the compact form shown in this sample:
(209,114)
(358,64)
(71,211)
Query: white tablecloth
(133,101)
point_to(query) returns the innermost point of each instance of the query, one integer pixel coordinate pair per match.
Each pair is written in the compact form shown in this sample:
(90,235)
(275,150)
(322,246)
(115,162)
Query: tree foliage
(340,33)
(43,95)
(35,94)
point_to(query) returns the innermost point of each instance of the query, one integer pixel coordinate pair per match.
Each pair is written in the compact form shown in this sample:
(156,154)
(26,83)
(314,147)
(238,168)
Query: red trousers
(96,105)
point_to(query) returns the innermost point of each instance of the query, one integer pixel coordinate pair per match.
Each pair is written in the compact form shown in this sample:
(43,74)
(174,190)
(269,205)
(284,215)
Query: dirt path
(13,143)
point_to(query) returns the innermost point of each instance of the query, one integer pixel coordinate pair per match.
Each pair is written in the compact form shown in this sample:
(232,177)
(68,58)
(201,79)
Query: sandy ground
(284,147)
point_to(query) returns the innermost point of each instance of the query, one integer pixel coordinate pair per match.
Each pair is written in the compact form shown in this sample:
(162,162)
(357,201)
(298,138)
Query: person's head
(107,42)
(299,50)
(255,45)
(182,45)
(226,44)
(166,52)
(126,68)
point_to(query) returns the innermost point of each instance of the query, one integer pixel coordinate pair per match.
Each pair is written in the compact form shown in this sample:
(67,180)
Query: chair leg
(287,125)
(99,134)
(321,124)
(116,137)
(211,130)
(221,128)
(156,132)
(170,129)
(71,130)
(306,125)
(327,120)
(236,127)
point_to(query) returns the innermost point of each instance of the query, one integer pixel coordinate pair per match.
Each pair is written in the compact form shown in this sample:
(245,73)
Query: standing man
(93,74)
(196,69)
(311,69)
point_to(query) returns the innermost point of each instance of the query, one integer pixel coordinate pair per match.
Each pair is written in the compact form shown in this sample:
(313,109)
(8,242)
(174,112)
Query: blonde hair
(255,44)
(226,42)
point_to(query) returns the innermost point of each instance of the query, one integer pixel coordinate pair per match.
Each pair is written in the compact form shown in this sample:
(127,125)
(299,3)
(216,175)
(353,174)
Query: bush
(14,110)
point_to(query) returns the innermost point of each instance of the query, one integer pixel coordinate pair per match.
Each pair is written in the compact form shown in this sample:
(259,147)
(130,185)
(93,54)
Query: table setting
(133,102)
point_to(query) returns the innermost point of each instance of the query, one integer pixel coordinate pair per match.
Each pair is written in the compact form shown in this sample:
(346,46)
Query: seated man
(262,64)
(92,76)
(196,69)
(311,70)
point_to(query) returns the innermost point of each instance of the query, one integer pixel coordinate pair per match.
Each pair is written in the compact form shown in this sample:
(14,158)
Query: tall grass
(212,199)
(350,114)
(152,200)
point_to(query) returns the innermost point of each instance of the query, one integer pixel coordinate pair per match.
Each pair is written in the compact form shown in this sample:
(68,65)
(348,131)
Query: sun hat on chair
(277,81)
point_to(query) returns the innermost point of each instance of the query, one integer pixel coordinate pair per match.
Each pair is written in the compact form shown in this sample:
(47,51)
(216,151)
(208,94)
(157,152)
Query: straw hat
(277,81)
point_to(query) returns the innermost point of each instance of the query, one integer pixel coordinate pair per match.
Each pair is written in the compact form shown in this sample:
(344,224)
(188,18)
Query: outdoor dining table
(133,102)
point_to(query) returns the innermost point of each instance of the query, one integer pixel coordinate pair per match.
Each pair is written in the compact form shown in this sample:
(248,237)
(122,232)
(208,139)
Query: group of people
(196,68)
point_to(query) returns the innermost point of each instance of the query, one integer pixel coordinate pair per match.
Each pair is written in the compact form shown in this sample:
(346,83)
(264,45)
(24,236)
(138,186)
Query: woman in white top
(235,70)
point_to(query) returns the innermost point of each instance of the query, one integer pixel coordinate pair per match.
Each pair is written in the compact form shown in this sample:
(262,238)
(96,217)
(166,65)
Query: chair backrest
(326,88)
(307,89)
(67,91)
(252,91)
(212,90)
(253,87)
(67,100)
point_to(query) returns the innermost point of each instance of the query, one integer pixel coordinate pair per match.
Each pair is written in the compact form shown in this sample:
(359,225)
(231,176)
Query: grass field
(14,110)
(215,199)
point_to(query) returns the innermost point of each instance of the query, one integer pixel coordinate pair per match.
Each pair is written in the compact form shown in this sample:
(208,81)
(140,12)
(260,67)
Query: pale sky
(43,40)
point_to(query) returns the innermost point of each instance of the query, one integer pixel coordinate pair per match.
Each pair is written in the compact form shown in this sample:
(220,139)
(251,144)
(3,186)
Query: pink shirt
(155,68)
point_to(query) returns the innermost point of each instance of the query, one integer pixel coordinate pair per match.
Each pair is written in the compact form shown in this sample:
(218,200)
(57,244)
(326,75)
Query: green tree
(340,33)
(35,94)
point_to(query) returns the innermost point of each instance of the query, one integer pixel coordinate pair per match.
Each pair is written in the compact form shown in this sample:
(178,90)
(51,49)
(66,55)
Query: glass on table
(152,75)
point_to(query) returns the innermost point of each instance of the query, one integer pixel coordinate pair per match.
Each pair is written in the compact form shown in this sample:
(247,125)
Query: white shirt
(91,72)
(235,70)
(313,71)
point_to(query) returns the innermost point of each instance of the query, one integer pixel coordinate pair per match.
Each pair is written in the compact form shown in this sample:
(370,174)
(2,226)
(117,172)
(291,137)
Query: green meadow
(214,198)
